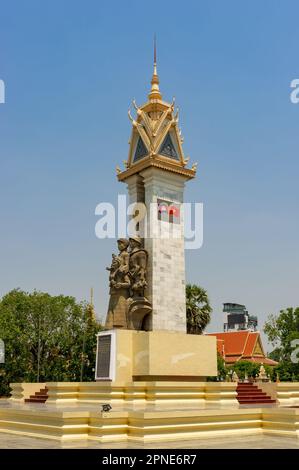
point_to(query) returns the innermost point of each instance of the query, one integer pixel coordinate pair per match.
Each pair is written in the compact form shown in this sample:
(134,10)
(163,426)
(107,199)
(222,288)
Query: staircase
(250,394)
(38,397)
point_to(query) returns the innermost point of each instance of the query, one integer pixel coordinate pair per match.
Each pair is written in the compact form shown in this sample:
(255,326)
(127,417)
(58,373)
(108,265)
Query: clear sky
(71,69)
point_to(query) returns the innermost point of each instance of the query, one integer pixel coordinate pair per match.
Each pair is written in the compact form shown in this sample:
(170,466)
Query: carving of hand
(123,269)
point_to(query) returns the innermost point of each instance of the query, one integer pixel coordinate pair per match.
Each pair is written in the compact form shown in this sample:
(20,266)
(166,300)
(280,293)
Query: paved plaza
(9,441)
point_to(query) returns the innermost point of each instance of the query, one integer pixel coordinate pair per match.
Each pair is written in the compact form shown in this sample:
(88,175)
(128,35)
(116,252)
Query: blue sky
(71,70)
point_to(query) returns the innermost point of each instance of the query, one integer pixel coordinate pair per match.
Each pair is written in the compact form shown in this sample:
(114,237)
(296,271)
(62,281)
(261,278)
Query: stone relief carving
(119,282)
(128,307)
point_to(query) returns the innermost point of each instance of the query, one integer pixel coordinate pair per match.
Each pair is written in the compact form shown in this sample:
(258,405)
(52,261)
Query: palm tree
(198,309)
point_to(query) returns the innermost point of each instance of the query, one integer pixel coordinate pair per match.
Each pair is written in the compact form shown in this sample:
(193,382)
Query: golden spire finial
(91,296)
(155,92)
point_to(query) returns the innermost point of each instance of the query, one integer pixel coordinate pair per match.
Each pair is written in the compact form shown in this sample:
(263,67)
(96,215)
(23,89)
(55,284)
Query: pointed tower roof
(155,91)
(156,139)
(91,311)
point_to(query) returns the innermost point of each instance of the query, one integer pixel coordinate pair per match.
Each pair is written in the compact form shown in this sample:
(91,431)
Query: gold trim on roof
(155,121)
(156,163)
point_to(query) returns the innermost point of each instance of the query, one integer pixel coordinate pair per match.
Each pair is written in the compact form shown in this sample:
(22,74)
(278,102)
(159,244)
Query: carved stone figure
(137,267)
(119,282)
(262,377)
(235,377)
(128,307)
(139,307)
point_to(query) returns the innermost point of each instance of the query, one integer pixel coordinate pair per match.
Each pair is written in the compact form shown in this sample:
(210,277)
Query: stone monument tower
(155,174)
(145,337)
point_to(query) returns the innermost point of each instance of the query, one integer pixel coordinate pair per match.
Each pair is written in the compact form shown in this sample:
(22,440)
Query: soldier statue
(128,306)
(137,267)
(119,282)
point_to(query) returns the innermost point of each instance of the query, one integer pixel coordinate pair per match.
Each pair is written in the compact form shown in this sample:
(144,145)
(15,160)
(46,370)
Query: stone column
(165,246)
(135,188)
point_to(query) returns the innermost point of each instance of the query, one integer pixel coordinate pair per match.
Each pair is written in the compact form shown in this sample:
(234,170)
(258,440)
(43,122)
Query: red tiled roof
(220,346)
(234,341)
(264,360)
(239,345)
(232,359)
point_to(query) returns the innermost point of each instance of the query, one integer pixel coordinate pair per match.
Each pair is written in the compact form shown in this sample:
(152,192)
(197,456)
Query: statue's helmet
(136,239)
(124,241)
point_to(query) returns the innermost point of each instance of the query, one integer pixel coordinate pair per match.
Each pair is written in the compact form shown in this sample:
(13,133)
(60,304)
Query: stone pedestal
(129,355)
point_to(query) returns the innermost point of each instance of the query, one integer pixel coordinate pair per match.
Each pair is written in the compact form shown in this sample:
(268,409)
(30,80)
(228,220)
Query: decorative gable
(258,350)
(156,139)
(141,150)
(167,148)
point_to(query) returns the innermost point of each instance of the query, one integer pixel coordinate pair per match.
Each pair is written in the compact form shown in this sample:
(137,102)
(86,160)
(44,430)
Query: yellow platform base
(145,426)
(179,393)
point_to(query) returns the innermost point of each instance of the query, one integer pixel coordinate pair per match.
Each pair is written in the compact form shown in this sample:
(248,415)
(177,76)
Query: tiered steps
(250,394)
(38,397)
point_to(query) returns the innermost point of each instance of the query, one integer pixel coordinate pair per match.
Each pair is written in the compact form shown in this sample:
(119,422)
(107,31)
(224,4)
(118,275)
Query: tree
(246,367)
(44,338)
(275,355)
(286,372)
(221,370)
(282,330)
(198,309)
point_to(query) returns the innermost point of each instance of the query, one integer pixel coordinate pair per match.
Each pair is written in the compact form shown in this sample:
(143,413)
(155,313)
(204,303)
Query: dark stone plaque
(104,355)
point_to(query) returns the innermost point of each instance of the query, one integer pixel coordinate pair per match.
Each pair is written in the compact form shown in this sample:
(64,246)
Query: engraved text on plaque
(104,356)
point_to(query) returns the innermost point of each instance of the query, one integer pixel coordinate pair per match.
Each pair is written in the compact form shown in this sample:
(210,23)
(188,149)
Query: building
(243,345)
(237,318)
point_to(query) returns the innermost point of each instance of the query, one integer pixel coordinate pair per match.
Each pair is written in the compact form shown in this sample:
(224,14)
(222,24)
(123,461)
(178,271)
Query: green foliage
(275,355)
(285,371)
(242,367)
(281,331)
(44,338)
(221,368)
(198,309)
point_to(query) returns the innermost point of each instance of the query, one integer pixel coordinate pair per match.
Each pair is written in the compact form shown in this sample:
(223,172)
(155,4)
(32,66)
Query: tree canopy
(44,338)
(282,330)
(198,309)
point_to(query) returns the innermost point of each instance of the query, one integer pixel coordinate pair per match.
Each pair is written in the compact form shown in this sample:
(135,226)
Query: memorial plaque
(104,357)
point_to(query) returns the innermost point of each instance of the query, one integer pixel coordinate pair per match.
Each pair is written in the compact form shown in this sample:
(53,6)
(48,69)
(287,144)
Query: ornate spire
(155,92)
(91,311)
(156,139)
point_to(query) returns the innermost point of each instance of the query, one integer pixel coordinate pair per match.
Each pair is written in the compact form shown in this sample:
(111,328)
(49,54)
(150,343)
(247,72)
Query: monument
(150,374)
(145,330)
